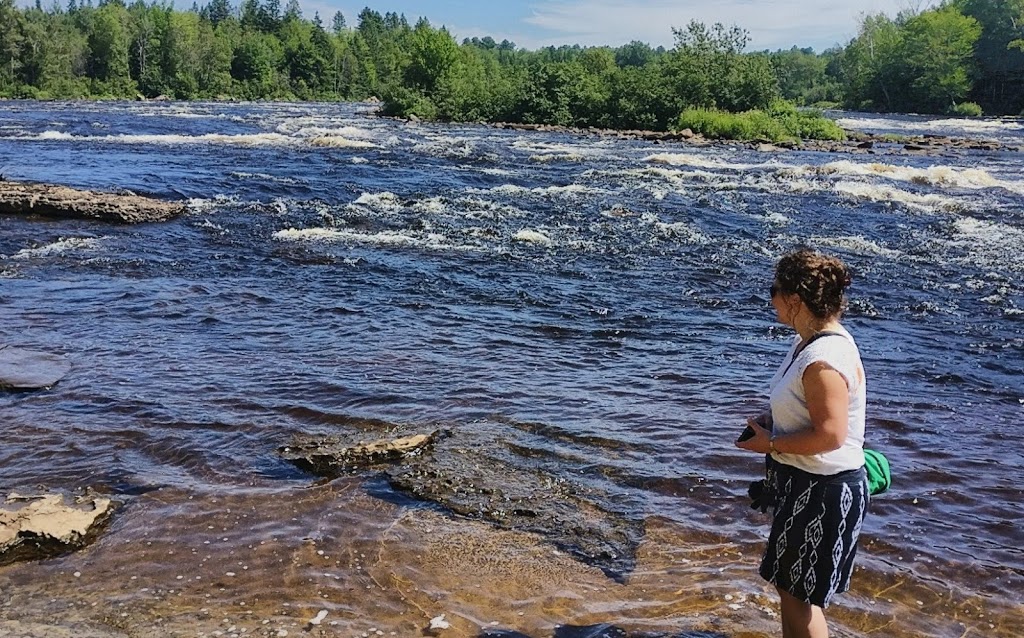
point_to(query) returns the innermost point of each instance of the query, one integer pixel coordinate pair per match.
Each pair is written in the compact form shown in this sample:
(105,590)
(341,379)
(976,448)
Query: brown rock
(48,200)
(35,527)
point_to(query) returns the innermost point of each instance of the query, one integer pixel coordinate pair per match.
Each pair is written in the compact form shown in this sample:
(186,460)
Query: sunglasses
(773,290)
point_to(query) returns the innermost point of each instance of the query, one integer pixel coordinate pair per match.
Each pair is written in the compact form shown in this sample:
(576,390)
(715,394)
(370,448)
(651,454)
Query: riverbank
(856,142)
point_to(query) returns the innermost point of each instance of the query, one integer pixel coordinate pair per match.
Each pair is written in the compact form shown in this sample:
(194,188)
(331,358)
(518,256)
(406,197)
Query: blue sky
(772,24)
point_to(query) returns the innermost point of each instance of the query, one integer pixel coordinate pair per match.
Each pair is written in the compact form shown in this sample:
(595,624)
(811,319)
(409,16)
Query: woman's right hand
(759,442)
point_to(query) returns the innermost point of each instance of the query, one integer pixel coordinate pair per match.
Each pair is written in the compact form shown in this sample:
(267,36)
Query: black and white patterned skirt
(816,524)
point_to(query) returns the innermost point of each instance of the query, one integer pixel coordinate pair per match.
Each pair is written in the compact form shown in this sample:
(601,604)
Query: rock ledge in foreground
(36,527)
(492,480)
(49,200)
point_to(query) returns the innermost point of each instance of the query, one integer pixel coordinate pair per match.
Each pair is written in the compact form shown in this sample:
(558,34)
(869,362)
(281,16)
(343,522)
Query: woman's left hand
(759,442)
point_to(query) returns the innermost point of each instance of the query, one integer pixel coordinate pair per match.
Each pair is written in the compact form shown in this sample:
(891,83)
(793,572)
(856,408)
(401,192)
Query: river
(586,309)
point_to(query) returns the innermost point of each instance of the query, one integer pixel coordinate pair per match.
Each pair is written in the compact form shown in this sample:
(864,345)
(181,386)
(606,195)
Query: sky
(531,24)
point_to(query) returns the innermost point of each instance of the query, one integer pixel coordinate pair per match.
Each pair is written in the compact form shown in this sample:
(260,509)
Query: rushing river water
(586,309)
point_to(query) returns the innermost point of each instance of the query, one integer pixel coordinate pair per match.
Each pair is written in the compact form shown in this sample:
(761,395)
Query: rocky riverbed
(856,142)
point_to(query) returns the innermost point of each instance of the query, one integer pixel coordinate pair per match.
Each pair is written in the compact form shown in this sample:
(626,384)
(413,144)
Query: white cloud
(772,23)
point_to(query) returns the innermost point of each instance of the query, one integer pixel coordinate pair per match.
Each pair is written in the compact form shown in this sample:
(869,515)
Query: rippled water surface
(590,309)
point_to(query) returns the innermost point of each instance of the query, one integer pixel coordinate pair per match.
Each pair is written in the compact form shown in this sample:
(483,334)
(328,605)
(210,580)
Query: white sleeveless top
(789,404)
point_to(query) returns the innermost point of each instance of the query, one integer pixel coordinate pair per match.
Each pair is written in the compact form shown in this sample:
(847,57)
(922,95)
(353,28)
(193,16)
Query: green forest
(964,57)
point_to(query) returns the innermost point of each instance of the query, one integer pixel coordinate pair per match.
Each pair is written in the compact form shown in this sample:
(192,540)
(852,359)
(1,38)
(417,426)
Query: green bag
(877,467)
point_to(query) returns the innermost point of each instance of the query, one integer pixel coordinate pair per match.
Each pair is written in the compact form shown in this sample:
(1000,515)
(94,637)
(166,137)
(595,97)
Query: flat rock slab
(36,527)
(48,200)
(491,481)
(30,370)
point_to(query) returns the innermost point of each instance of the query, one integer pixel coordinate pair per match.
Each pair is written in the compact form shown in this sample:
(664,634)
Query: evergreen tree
(217,11)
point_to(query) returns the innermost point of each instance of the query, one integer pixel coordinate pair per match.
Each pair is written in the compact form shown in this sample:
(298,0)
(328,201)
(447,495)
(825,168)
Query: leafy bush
(399,101)
(967,109)
(782,121)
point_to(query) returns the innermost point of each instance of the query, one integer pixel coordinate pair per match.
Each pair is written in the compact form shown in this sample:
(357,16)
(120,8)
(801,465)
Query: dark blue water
(335,267)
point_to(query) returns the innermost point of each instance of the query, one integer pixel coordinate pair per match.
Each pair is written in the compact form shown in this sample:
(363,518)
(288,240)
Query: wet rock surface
(49,200)
(41,526)
(496,481)
(30,370)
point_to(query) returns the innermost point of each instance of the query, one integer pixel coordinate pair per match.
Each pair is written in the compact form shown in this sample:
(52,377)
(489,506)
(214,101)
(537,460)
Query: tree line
(962,56)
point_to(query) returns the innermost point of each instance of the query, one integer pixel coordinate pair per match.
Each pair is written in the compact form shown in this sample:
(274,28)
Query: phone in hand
(747,433)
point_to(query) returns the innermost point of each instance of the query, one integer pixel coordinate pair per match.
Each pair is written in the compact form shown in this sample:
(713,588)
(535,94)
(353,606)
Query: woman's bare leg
(800,619)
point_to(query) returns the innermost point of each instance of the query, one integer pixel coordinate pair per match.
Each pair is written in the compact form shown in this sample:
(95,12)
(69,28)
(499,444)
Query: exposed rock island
(49,200)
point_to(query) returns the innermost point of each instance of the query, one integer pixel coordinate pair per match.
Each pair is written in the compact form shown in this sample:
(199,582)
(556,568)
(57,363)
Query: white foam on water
(258,139)
(188,115)
(432,205)
(54,135)
(360,160)
(683,231)
(349,132)
(448,146)
(499,172)
(802,186)
(511,190)
(990,243)
(337,141)
(570,191)
(390,238)
(880,193)
(777,218)
(308,234)
(547,158)
(59,247)
(385,201)
(279,206)
(966,125)
(264,177)
(700,161)
(938,175)
(677,230)
(857,244)
(206,223)
(203,204)
(476,208)
(672,174)
(533,237)
(539,147)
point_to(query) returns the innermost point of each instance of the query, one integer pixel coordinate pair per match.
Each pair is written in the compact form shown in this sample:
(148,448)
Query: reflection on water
(588,311)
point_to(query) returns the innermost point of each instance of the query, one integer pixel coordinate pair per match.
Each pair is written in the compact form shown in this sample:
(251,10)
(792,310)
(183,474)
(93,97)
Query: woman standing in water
(815,482)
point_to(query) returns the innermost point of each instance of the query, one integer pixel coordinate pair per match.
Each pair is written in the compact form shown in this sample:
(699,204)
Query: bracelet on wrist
(771,446)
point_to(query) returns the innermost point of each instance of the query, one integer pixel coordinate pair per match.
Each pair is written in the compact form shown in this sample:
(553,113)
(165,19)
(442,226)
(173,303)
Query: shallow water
(590,310)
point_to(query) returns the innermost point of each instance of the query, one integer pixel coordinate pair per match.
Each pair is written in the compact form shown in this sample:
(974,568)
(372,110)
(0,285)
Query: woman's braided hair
(818,279)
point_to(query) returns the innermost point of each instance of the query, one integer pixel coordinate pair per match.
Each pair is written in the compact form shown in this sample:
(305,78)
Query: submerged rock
(48,200)
(493,481)
(30,370)
(36,527)
(332,457)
